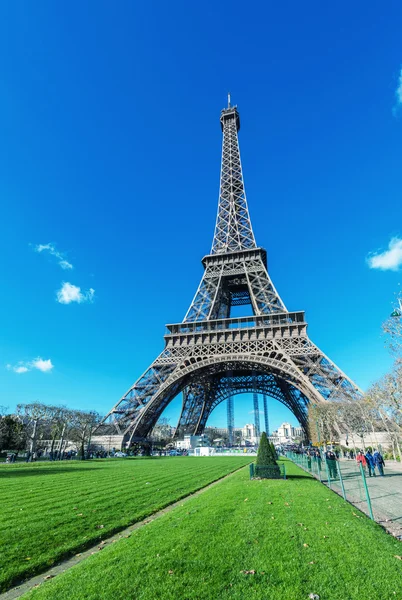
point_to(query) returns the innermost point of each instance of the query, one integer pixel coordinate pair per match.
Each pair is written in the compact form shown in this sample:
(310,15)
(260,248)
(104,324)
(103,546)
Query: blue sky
(110,156)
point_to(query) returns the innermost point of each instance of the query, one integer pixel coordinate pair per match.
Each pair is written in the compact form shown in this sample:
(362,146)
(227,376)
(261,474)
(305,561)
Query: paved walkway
(385,493)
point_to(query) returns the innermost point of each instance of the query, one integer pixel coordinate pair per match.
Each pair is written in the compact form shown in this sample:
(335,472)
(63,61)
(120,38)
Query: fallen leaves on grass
(252,572)
(398,557)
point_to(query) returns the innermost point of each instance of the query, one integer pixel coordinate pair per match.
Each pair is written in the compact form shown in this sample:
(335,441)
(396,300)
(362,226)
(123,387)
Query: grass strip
(265,539)
(51,511)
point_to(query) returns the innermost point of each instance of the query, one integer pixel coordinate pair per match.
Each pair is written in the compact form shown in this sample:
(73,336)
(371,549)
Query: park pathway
(385,493)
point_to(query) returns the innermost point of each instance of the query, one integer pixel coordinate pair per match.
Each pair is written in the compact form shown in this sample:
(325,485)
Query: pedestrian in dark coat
(331,462)
(379,462)
(370,463)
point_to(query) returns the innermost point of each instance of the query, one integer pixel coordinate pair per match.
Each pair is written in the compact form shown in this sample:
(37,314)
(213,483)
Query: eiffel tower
(211,356)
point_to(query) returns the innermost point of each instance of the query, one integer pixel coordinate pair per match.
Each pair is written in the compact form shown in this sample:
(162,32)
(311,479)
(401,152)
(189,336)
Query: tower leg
(230,417)
(256,415)
(266,420)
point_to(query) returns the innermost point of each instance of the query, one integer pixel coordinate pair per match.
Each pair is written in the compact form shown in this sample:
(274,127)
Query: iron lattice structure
(211,356)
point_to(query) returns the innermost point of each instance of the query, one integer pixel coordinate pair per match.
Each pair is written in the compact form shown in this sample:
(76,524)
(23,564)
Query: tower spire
(233,229)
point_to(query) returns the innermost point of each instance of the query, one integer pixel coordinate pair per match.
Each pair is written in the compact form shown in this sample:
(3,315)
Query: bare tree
(83,424)
(32,415)
(392,327)
(60,419)
(323,422)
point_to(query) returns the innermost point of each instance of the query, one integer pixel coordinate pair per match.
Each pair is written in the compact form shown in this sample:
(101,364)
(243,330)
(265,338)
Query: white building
(287,433)
(249,434)
(192,441)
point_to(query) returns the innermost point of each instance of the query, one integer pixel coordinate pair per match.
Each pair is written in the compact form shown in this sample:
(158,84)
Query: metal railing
(347,478)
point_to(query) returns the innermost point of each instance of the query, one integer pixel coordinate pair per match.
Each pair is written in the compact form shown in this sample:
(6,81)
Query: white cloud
(398,92)
(72,293)
(23,367)
(64,264)
(42,365)
(398,95)
(389,260)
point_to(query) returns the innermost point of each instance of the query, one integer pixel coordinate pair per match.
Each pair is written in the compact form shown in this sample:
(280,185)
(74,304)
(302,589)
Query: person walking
(318,458)
(370,463)
(331,462)
(360,458)
(379,462)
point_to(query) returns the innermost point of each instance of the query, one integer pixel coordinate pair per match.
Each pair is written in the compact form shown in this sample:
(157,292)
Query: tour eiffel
(210,356)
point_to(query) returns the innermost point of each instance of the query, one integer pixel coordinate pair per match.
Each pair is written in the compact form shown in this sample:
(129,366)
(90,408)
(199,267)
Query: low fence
(347,478)
(277,471)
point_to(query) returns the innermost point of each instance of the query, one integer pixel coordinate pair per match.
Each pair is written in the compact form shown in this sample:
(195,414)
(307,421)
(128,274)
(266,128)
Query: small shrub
(265,457)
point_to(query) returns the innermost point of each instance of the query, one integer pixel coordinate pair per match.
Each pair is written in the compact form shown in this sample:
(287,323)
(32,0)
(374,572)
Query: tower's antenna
(229,100)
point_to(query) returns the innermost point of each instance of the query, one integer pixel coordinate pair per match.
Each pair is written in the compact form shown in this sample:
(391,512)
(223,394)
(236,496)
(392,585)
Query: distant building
(249,434)
(243,436)
(192,441)
(287,433)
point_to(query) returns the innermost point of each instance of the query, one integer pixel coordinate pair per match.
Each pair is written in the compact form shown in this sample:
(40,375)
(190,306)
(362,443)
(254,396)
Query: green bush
(265,456)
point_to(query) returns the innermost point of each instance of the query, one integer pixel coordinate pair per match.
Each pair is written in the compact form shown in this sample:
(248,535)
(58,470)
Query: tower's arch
(216,379)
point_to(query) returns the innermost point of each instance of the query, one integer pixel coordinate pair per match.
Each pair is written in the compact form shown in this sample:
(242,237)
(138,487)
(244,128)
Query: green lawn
(50,510)
(242,539)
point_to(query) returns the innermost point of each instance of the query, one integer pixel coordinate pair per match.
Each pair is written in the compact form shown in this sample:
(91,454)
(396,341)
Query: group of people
(371,461)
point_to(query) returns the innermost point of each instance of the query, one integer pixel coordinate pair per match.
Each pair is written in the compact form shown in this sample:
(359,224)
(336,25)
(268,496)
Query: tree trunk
(52,447)
(32,440)
(388,432)
(398,448)
(61,441)
(89,443)
(374,434)
(393,449)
